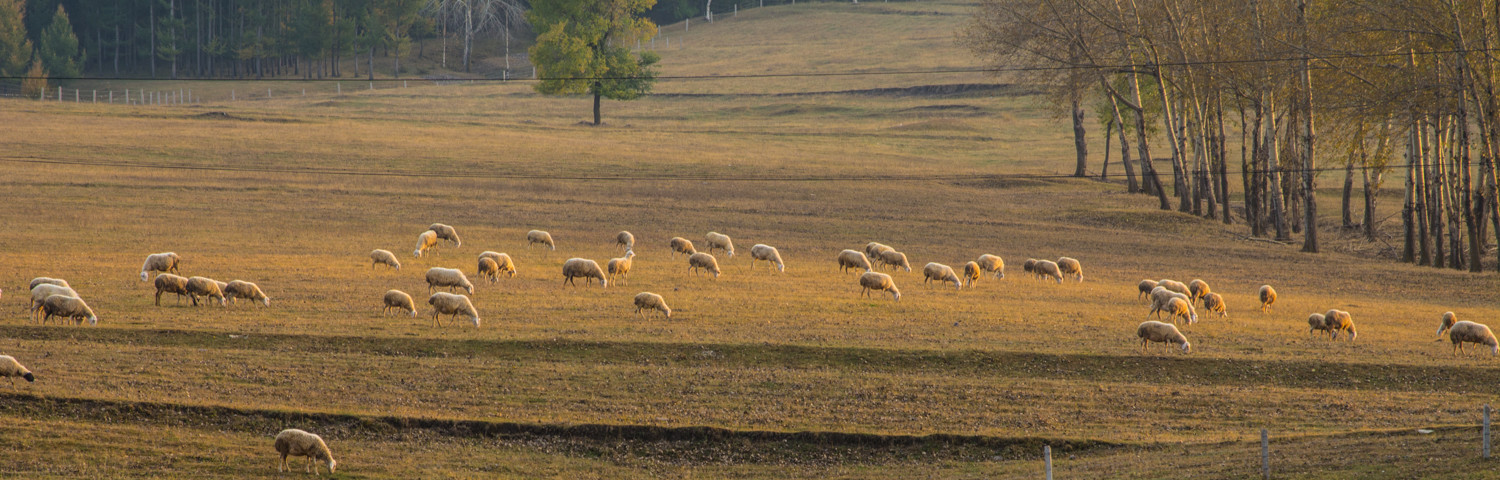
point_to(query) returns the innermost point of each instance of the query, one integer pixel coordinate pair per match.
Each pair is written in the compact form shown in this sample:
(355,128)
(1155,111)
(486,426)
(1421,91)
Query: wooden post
(1486,431)
(372,85)
(1265,454)
(111,96)
(339,88)
(304,92)
(1047,458)
(687,24)
(96,96)
(736,11)
(59,93)
(190,95)
(403,84)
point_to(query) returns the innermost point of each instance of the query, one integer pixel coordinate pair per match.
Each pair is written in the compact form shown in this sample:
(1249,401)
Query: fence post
(1265,454)
(268,94)
(190,95)
(1047,458)
(304,92)
(403,84)
(339,88)
(687,24)
(736,11)
(231,94)
(1486,430)
(372,85)
(59,93)
(96,96)
(111,96)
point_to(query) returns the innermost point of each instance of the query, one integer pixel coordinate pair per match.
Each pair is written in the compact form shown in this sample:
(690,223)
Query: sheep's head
(469,288)
(780,267)
(666,311)
(1187,347)
(265,301)
(603,282)
(332,465)
(895,294)
(415,253)
(93,319)
(29,377)
(143,275)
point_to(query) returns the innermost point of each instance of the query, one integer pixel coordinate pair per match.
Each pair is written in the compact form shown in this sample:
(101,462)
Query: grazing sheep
(488,269)
(895,259)
(1339,321)
(853,259)
(507,266)
(428,240)
(538,236)
(1175,286)
(941,273)
(1164,333)
(992,264)
(160,262)
(297,443)
(878,282)
(651,301)
(704,261)
(48,280)
(1069,266)
(448,277)
(716,240)
(399,300)
(681,245)
(1160,295)
(1145,287)
(206,287)
(242,289)
(446,233)
(1460,332)
(619,267)
(1176,308)
(444,303)
(169,283)
(1048,268)
(1317,322)
(1197,289)
(766,253)
(971,273)
(873,249)
(64,306)
(41,292)
(378,256)
(583,267)
(625,239)
(1267,297)
(1214,303)
(1030,267)
(10,369)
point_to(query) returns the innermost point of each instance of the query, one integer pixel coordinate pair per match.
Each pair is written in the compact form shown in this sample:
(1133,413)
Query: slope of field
(292,193)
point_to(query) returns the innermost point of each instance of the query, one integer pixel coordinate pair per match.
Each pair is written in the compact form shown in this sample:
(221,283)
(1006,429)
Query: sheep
(1214,303)
(1070,267)
(583,267)
(651,301)
(619,267)
(446,233)
(399,300)
(1029,267)
(206,287)
(873,249)
(243,289)
(488,269)
(41,292)
(507,266)
(1339,321)
(1197,289)
(1317,322)
(64,306)
(1160,295)
(1165,333)
(704,261)
(378,256)
(538,236)
(48,280)
(448,277)
(681,245)
(625,239)
(297,443)
(1048,268)
(895,259)
(971,273)
(766,253)
(10,369)
(1175,286)
(428,240)
(853,259)
(160,262)
(879,282)
(1267,297)
(1176,308)
(716,240)
(992,264)
(941,273)
(169,283)
(1466,331)
(1145,287)
(444,303)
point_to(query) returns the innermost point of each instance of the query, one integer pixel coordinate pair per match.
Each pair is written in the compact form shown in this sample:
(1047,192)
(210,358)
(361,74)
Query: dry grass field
(293,192)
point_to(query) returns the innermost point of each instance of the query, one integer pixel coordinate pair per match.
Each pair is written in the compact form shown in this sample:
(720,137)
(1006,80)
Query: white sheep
(880,282)
(583,268)
(1164,333)
(169,283)
(444,303)
(49,281)
(651,301)
(538,236)
(625,239)
(853,259)
(894,259)
(1069,266)
(165,262)
(1048,268)
(703,261)
(69,307)
(719,241)
(241,289)
(1339,321)
(1175,286)
(378,257)
(399,300)
(488,269)
(766,253)
(43,290)
(446,233)
(971,273)
(507,266)
(1029,267)
(10,369)
(297,443)
(992,264)
(1267,297)
(619,267)
(1145,287)
(1318,323)
(1460,332)
(1214,303)
(681,245)
(1174,304)
(1197,289)
(427,240)
(206,287)
(873,249)
(941,273)
(448,277)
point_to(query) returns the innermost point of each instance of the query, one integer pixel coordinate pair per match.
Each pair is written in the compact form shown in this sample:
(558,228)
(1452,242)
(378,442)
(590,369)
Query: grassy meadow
(293,192)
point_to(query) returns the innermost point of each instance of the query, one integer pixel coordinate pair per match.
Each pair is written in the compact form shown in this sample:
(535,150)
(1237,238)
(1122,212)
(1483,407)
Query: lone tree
(583,46)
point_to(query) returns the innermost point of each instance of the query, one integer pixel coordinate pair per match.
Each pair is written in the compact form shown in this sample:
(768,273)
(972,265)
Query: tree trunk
(1408,204)
(1273,173)
(468,32)
(1109,130)
(1148,171)
(597,119)
(151,10)
(1079,144)
(1130,185)
(1348,194)
(1309,182)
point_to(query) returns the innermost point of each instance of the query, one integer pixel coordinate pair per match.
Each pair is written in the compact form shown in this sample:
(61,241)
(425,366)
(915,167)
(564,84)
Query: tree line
(1306,86)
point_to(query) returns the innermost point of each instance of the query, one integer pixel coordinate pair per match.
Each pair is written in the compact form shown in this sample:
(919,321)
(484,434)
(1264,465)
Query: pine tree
(15,48)
(58,47)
